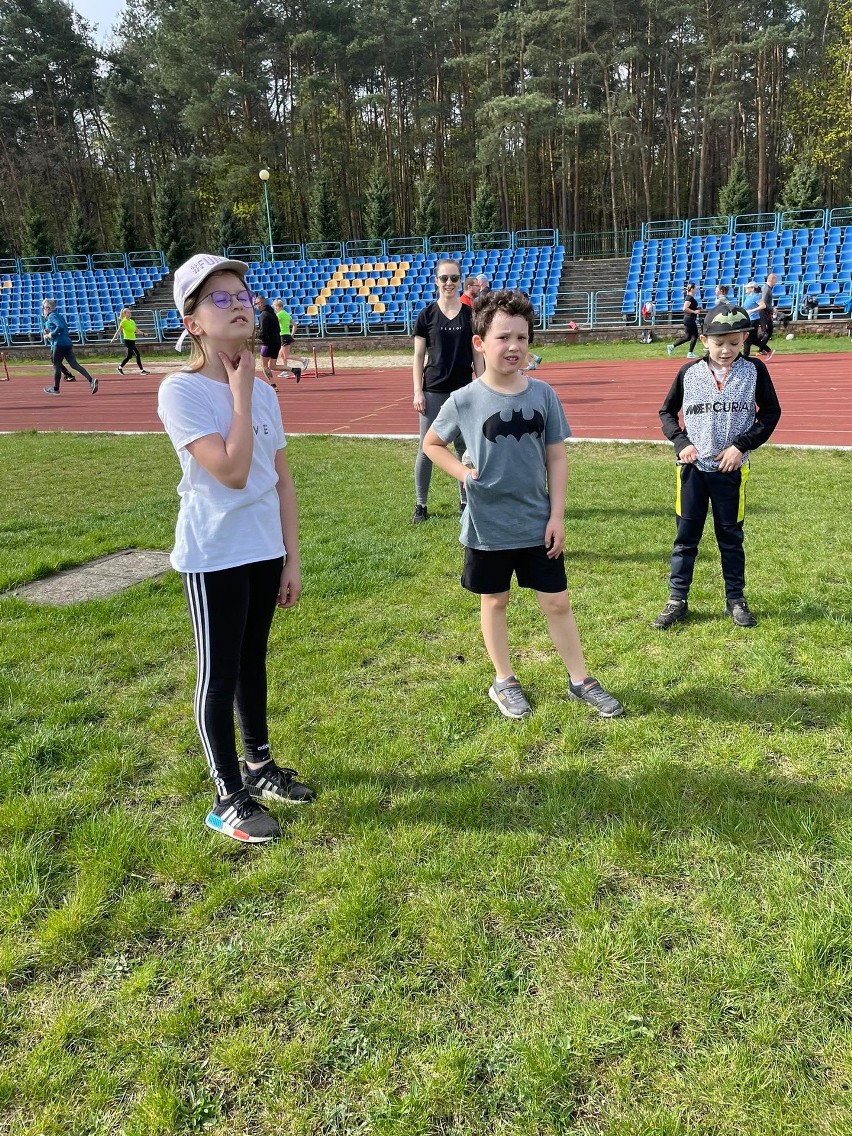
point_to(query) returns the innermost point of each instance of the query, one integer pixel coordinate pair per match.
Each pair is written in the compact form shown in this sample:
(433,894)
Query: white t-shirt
(218,527)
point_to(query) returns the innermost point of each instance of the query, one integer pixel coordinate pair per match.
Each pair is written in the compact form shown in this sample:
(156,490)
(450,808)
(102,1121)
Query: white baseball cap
(192,274)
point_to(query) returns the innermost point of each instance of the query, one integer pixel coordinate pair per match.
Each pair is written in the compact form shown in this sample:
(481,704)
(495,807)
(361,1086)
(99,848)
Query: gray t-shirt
(508,505)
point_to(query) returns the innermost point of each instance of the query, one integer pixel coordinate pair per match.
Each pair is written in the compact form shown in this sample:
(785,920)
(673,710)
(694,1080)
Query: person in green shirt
(127,330)
(288,330)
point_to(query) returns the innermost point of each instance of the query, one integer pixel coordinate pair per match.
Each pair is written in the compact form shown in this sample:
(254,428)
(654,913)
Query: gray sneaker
(593,694)
(508,696)
(673,612)
(740,613)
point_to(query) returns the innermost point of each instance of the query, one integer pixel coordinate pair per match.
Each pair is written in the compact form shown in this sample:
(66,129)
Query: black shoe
(68,377)
(272,783)
(242,819)
(297,371)
(421,514)
(739,612)
(120,370)
(593,694)
(142,371)
(673,612)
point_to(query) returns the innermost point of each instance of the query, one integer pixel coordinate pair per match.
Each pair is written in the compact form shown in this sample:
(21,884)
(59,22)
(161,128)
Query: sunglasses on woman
(449,279)
(223,299)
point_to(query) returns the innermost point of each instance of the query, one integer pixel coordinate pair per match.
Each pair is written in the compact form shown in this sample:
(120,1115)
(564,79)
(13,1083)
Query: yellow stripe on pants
(743,479)
(678,475)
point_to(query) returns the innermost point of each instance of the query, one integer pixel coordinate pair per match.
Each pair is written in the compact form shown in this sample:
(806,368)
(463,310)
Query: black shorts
(487,573)
(286,340)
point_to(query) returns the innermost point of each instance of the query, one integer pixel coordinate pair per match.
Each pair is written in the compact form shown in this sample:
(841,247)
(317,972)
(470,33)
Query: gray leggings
(423,466)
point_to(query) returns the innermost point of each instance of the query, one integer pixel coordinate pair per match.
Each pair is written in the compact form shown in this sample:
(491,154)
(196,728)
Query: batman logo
(497,427)
(730,317)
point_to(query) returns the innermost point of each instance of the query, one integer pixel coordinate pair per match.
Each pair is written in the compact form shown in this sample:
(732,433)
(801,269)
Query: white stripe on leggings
(201,629)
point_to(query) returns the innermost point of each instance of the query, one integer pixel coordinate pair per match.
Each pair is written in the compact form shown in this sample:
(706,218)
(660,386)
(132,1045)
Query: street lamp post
(264,177)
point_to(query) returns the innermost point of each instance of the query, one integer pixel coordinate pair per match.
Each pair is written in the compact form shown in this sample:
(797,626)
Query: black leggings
(690,334)
(231,613)
(66,355)
(131,349)
(751,339)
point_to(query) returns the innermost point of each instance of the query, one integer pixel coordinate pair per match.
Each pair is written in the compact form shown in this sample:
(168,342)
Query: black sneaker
(68,377)
(242,819)
(297,371)
(593,694)
(120,370)
(272,783)
(673,612)
(739,612)
(144,372)
(421,514)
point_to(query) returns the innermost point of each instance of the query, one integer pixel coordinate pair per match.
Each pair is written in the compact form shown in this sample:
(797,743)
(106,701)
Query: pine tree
(171,224)
(324,213)
(484,217)
(802,189)
(229,230)
(37,239)
(378,209)
(125,235)
(426,221)
(262,224)
(736,196)
(80,239)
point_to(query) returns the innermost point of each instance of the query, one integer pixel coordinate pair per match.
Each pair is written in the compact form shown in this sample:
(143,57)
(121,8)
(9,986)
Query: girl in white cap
(237,538)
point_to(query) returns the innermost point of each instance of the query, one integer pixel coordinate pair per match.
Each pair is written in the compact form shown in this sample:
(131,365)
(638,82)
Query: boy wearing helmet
(729,408)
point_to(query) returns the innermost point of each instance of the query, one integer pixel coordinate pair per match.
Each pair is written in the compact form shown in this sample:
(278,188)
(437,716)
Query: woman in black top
(690,323)
(444,361)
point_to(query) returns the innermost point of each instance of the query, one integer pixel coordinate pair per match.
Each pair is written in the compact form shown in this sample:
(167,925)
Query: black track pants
(696,491)
(231,613)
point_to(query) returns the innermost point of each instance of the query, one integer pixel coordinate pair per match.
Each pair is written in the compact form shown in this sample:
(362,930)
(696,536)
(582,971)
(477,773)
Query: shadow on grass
(797,706)
(668,802)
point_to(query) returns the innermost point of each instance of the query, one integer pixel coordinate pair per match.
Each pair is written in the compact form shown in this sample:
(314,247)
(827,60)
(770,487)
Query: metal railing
(611,245)
(77,262)
(440,244)
(838,217)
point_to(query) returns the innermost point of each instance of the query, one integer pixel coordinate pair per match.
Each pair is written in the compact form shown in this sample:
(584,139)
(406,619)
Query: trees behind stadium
(586,116)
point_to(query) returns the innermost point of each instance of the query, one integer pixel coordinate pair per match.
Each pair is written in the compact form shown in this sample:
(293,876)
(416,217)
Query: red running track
(612,400)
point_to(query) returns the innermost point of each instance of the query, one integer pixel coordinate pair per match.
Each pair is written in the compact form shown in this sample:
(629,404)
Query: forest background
(395,118)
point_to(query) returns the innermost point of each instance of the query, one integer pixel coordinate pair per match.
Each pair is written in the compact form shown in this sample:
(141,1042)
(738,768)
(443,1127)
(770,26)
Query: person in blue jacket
(61,347)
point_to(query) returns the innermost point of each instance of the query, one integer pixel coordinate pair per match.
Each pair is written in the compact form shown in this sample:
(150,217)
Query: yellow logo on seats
(368,279)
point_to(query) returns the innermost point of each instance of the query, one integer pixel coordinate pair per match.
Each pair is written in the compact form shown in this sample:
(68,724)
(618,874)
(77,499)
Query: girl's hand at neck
(238,372)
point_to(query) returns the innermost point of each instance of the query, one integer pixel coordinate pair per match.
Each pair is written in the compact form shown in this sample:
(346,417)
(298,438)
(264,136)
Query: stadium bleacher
(337,294)
(359,292)
(811,263)
(90,298)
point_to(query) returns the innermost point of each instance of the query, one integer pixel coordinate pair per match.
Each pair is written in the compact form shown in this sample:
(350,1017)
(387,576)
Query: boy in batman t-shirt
(514,430)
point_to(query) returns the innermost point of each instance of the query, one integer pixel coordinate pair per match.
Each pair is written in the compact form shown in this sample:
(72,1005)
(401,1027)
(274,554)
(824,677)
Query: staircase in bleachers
(811,263)
(591,293)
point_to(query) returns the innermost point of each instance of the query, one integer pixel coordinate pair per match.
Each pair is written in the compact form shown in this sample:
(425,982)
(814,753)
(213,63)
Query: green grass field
(562,925)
